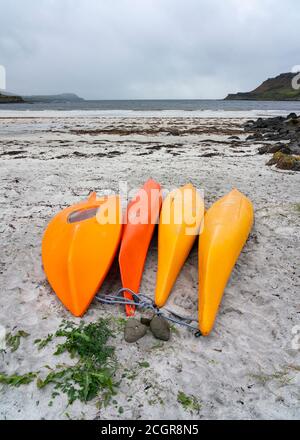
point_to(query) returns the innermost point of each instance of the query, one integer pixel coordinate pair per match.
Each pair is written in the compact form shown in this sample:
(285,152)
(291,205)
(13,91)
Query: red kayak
(140,220)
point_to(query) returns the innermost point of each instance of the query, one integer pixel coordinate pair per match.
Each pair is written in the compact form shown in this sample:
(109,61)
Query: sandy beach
(248,368)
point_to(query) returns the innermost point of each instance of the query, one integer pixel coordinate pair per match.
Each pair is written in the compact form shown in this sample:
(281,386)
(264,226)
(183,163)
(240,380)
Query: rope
(144,302)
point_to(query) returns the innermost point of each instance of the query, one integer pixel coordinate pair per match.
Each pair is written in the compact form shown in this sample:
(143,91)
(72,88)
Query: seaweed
(95,367)
(92,374)
(15,380)
(189,402)
(13,341)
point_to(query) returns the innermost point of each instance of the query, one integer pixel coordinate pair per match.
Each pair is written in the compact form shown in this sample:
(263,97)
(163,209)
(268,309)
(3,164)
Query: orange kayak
(78,248)
(180,221)
(140,219)
(227,225)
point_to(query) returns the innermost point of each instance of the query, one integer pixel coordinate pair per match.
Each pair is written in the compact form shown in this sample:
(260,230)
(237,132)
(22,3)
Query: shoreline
(166,114)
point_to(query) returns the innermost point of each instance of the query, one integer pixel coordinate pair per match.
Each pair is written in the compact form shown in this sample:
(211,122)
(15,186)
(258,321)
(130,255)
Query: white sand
(248,367)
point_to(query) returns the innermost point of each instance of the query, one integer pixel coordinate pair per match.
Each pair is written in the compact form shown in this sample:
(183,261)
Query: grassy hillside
(10,98)
(273,89)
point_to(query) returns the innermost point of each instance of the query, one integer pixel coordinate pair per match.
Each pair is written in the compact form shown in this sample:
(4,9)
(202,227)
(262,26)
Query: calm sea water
(153,108)
(160,105)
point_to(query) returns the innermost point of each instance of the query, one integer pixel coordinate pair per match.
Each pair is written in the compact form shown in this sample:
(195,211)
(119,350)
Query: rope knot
(144,302)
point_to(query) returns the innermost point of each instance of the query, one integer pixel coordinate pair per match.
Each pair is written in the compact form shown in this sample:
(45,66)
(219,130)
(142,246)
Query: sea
(152,108)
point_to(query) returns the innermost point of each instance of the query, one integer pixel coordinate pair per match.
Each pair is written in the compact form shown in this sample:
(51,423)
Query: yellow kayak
(180,220)
(227,225)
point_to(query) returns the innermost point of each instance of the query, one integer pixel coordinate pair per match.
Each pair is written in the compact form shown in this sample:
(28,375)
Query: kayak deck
(180,220)
(140,221)
(227,225)
(78,248)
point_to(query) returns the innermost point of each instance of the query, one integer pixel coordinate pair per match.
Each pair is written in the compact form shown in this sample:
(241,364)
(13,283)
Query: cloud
(146,49)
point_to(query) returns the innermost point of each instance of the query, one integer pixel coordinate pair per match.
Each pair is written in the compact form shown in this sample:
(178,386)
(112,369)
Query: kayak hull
(78,248)
(180,220)
(140,220)
(227,225)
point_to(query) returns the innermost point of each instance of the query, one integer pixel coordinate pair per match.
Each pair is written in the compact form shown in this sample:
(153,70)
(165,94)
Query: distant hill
(10,98)
(273,89)
(63,97)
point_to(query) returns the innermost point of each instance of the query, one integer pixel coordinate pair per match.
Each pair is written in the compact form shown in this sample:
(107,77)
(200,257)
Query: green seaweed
(95,367)
(90,376)
(16,380)
(13,341)
(41,343)
(189,402)
(144,364)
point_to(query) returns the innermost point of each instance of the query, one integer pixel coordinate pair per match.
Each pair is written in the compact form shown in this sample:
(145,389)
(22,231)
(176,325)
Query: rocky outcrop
(273,89)
(281,137)
(286,130)
(285,161)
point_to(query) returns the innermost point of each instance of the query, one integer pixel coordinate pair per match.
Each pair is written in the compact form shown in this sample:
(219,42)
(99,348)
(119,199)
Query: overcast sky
(146,48)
